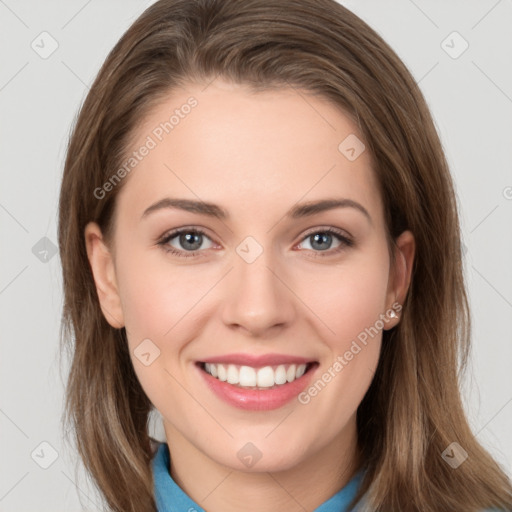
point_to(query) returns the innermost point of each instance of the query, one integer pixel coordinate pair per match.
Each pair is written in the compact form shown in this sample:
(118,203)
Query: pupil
(191,238)
(319,238)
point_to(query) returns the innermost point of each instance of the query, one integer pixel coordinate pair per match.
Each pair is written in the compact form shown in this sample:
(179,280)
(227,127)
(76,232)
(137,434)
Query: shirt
(171,498)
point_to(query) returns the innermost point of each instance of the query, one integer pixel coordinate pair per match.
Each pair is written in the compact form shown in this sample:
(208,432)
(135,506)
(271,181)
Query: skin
(256,155)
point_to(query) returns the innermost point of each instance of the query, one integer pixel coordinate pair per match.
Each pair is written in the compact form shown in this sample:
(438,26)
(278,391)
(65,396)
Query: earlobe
(102,266)
(400,276)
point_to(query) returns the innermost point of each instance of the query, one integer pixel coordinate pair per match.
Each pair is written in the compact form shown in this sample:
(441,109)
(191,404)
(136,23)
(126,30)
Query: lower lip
(256,399)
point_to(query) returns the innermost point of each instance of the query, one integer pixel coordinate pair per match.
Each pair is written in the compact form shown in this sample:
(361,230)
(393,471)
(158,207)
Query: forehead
(248,151)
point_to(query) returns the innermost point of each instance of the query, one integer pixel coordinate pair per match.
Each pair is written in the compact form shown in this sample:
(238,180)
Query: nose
(257,297)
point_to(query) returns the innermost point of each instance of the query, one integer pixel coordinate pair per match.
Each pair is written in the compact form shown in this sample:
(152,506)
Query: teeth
(221,373)
(280,375)
(265,377)
(301,369)
(232,373)
(246,376)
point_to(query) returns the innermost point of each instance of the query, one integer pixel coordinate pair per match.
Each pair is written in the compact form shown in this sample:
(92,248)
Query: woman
(289,375)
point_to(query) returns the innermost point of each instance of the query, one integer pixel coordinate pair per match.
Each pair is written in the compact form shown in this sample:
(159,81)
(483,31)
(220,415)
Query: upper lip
(258,361)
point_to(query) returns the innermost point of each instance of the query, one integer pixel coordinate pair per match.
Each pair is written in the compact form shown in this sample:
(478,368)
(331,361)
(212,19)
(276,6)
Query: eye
(190,240)
(321,239)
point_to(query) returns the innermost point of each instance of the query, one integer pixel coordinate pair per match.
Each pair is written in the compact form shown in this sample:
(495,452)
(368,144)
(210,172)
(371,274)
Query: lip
(257,361)
(256,399)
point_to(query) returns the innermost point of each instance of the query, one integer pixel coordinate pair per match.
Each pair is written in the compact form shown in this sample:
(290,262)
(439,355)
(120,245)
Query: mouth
(257,377)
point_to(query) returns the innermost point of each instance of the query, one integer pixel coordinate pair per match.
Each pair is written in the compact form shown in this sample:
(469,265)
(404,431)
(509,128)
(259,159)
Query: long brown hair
(412,411)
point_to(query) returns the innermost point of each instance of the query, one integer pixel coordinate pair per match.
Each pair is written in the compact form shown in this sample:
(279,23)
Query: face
(258,283)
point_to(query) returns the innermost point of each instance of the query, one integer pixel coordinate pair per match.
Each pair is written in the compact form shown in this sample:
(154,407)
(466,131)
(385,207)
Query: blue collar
(171,498)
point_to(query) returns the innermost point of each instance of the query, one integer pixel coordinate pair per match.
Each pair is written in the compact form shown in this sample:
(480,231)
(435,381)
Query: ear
(102,266)
(400,274)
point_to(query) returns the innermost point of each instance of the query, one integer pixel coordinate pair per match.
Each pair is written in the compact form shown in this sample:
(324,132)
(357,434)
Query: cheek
(351,306)
(154,294)
(347,299)
(157,308)
(350,302)
(145,306)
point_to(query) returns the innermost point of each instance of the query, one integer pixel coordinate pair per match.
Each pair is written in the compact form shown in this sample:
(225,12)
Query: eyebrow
(212,210)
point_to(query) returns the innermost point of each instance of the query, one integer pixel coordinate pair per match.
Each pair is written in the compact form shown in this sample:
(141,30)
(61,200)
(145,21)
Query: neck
(305,486)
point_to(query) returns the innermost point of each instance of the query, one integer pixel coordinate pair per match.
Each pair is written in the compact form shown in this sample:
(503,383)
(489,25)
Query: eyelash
(345,242)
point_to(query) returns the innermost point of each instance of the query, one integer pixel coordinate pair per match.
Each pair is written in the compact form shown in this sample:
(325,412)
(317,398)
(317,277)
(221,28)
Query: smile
(258,387)
(248,377)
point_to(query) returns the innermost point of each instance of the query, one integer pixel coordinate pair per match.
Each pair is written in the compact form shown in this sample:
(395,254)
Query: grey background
(470,97)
